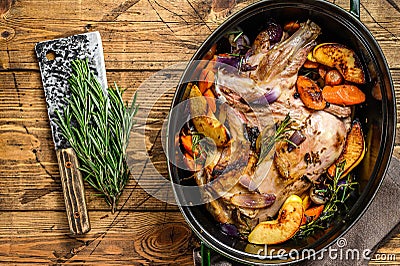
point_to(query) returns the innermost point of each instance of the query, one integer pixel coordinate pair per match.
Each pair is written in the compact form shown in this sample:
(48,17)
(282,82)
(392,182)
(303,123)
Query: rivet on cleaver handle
(73,189)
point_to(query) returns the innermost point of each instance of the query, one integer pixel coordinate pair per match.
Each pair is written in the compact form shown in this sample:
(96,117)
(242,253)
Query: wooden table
(140,37)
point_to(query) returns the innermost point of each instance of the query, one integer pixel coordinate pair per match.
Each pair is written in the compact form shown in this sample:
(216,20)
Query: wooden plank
(121,53)
(41,194)
(108,10)
(388,254)
(125,237)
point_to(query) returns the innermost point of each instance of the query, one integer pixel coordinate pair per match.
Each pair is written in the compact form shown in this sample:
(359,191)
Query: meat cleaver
(55,58)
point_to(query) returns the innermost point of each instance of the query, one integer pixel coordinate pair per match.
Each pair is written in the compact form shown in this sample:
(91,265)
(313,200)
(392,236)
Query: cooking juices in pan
(272,133)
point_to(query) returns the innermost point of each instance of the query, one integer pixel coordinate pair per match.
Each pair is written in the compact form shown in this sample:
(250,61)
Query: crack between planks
(197,13)
(159,16)
(379,24)
(37,157)
(119,10)
(176,14)
(394,5)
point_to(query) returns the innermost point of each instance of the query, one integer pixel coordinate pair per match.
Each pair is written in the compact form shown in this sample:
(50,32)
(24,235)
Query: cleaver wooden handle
(74,192)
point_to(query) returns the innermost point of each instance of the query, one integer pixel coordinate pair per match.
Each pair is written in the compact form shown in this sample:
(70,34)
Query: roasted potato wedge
(212,128)
(282,229)
(204,122)
(198,104)
(306,202)
(342,58)
(353,151)
(310,57)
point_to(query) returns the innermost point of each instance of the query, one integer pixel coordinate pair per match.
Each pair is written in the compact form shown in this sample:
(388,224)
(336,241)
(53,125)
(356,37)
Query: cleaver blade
(55,57)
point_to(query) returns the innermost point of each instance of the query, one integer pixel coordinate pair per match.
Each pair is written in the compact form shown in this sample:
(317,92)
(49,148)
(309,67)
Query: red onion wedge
(253,200)
(296,138)
(229,229)
(230,60)
(268,97)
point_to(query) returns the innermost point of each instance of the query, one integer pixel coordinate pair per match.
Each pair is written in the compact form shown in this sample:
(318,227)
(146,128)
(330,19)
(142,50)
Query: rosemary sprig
(237,36)
(97,126)
(195,147)
(339,194)
(195,142)
(268,142)
(201,148)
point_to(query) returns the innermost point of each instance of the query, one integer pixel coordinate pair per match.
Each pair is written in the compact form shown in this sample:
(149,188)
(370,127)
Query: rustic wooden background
(140,37)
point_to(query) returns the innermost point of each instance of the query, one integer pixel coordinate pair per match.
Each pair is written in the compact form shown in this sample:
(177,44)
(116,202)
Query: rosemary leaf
(337,201)
(237,36)
(97,126)
(268,141)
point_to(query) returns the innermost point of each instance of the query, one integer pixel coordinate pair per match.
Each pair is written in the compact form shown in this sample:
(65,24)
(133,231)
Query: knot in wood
(166,241)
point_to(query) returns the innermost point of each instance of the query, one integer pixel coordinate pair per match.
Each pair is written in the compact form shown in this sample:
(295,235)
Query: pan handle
(355,8)
(205,255)
(73,190)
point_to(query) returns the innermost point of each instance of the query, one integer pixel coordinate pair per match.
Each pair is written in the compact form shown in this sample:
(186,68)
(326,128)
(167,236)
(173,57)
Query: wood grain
(139,37)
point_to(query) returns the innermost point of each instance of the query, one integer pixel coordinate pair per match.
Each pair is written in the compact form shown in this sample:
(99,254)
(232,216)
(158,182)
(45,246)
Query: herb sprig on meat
(268,142)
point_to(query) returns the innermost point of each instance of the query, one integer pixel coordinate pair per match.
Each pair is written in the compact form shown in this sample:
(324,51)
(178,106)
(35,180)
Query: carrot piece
(343,94)
(210,98)
(186,141)
(333,77)
(210,53)
(206,78)
(310,64)
(209,93)
(310,93)
(313,213)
